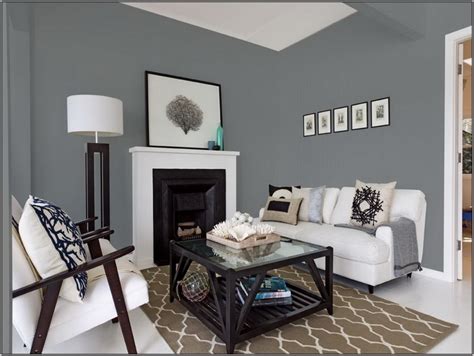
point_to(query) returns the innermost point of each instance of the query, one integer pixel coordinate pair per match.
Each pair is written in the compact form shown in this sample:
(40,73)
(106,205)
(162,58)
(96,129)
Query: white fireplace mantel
(144,160)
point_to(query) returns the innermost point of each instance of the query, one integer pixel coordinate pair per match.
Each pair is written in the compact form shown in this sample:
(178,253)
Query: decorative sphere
(242,218)
(250,219)
(195,286)
(237,214)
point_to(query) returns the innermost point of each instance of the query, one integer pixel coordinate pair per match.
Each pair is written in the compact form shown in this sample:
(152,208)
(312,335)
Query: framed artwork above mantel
(181,112)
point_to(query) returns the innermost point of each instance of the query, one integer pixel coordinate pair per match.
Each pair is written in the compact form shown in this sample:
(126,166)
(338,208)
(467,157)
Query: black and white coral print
(184,113)
(366,205)
(65,237)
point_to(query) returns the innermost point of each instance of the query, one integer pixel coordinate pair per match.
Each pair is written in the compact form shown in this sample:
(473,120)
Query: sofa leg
(371,289)
(115,320)
(409,275)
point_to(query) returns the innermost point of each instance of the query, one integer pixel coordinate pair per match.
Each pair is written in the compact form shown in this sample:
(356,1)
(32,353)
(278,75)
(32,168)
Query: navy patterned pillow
(53,243)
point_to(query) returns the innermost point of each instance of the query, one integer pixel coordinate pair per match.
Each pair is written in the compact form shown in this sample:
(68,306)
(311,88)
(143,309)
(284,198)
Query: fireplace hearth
(186,204)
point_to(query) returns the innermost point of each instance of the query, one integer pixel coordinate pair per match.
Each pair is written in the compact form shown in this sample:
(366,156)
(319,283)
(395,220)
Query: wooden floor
(467,252)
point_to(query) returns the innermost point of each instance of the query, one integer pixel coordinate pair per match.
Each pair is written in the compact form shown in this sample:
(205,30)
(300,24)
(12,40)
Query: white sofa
(358,255)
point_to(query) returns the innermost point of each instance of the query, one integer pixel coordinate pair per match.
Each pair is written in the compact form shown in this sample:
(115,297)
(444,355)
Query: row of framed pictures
(337,120)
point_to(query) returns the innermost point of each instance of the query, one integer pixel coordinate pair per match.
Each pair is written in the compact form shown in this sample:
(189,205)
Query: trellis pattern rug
(362,323)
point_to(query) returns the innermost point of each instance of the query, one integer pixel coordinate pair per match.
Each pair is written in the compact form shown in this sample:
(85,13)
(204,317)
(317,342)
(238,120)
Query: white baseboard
(431,273)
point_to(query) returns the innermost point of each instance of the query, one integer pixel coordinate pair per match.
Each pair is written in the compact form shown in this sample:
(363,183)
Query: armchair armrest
(95,232)
(97,236)
(103,260)
(82,225)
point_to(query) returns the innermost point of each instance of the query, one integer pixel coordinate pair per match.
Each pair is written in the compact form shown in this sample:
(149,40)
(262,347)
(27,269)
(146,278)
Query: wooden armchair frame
(53,284)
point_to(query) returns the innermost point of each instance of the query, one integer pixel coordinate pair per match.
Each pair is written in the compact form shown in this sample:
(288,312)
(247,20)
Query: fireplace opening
(186,204)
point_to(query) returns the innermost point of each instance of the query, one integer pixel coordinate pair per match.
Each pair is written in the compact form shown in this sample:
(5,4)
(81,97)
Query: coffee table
(221,311)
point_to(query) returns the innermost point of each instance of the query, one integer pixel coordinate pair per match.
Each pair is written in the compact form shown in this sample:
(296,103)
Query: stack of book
(273,291)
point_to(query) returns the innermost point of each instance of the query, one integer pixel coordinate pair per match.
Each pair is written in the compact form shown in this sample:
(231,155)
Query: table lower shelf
(261,318)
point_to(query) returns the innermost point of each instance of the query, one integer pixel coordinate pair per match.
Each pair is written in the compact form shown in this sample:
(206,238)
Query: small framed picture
(359,116)
(380,112)
(341,119)
(309,125)
(324,122)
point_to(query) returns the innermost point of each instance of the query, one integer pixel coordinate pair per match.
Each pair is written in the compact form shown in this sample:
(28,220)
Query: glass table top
(228,257)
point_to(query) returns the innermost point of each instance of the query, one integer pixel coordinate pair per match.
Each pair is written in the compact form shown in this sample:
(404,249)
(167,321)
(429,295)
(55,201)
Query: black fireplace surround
(183,196)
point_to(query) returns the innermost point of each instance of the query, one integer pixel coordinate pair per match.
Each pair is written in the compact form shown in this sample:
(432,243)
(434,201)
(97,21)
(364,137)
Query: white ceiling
(272,25)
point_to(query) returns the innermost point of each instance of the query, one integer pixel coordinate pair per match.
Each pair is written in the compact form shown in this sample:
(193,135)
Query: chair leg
(117,295)
(45,317)
(409,275)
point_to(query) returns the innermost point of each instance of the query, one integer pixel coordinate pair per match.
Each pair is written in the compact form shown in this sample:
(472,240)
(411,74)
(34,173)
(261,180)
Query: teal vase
(220,137)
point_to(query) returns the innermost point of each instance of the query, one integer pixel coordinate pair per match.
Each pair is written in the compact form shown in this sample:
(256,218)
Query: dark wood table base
(233,322)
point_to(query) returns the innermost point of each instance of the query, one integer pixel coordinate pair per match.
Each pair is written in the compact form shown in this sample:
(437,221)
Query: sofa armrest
(385,234)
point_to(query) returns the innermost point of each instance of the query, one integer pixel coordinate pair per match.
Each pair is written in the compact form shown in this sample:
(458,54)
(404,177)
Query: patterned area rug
(362,323)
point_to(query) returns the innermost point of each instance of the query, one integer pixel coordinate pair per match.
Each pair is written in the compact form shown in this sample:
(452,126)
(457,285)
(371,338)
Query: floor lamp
(96,115)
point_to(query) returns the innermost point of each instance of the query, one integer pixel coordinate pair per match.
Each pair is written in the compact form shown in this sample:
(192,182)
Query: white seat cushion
(71,319)
(347,243)
(288,230)
(97,306)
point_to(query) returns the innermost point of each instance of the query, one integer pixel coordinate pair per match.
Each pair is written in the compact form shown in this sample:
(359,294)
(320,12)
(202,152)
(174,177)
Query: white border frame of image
(353,106)
(314,124)
(346,108)
(330,120)
(374,102)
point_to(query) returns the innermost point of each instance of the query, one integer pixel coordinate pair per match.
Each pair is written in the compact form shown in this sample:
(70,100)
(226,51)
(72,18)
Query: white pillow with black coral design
(53,243)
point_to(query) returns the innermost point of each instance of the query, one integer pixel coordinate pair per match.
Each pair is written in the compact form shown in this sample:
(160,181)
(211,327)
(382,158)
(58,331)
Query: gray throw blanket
(405,245)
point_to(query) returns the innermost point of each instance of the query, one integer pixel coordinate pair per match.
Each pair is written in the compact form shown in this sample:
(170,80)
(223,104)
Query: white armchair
(45,318)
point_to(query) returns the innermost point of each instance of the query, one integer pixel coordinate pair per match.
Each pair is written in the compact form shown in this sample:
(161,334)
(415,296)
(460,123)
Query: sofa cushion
(288,230)
(343,209)
(407,203)
(330,199)
(347,243)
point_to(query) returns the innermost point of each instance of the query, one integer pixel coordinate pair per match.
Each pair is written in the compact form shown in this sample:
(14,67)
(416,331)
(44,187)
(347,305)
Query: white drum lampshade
(94,115)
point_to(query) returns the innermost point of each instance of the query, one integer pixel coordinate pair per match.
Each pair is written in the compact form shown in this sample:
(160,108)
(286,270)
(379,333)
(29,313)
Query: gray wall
(358,60)
(19,92)
(105,48)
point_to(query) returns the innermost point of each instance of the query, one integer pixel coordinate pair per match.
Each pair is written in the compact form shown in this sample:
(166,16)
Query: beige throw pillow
(282,210)
(372,203)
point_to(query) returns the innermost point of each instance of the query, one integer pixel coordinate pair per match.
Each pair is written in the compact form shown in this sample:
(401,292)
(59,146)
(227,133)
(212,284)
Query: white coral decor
(242,231)
(237,230)
(222,229)
(264,229)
